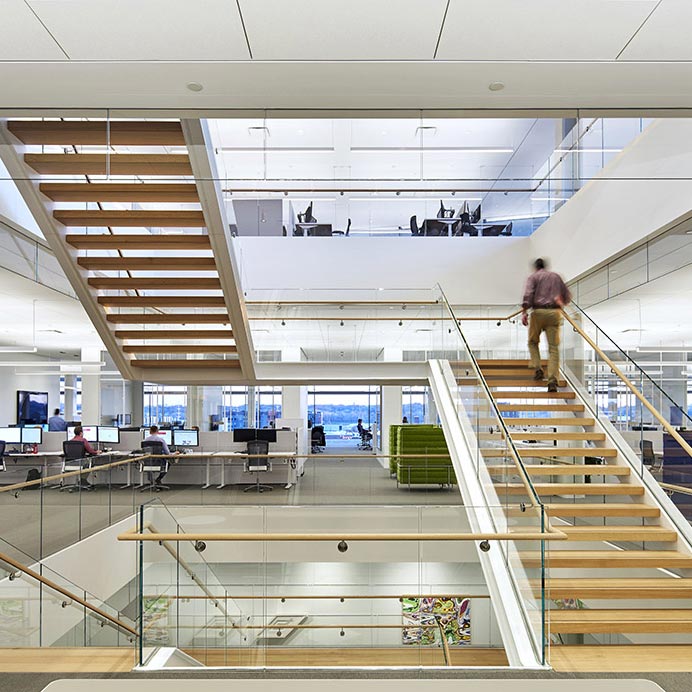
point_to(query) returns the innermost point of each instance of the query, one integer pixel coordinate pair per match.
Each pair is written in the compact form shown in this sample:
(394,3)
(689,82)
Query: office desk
(241,456)
(449,223)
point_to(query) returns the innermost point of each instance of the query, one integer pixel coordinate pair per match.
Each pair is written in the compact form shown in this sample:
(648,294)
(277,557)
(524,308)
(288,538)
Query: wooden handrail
(61,590)
(242,597)
(676,488)
(667,426)
(70,474)
(551,534)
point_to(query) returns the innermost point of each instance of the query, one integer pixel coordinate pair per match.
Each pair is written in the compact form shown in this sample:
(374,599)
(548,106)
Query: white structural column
(294,403)
(70,397)
(391,412)
(91,386)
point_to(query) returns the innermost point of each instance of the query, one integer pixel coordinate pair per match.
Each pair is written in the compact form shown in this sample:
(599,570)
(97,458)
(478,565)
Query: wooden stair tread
(504,408)
(128,132)
(168,318)
(496,373)
(553,452)
(548,489)
(162,264)
(601,509)
(607,559)
(614,620)
(116,164)
(183,363)
(211,348)
(619,533)
(187,334)
(140,241)
(617,587)
(507,363)
(529,435)
(162,301)
(120,192)
(500,396)
(542,422)
(520,382)
(155,283)
(181,218)
(564,469)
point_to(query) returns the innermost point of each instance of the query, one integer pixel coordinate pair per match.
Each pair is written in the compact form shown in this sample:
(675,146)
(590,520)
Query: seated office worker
(56,423)
(545,294)
(155,437)
(364,433)
(88,450)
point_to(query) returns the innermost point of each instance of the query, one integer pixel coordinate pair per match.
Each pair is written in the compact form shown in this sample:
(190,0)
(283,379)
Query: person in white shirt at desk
(155,437)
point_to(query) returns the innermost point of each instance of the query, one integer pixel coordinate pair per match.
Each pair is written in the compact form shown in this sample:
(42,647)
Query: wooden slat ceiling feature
(137,218)
(107,241)
(187,334)
(124,133)
(115,164)
(120,192)
(155,283)
(149,263)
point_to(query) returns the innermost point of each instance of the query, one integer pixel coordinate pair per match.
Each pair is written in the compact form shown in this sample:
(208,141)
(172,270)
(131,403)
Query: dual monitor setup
(21,436)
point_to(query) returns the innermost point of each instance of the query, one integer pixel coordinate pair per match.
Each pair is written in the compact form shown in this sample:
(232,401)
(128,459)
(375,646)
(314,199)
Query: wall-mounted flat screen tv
(32,408)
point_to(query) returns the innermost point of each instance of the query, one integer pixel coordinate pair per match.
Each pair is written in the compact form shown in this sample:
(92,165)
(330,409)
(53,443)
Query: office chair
(151,466)
(434,228)
(317,439)
(365,440)
(443,213)
(348,230)
(414,226)
(74,459)
(497,230)
(257,465)
(653,461)
(475,217)
(2,456)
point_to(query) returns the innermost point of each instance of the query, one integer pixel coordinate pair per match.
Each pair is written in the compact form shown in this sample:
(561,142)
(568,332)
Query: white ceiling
(337,54)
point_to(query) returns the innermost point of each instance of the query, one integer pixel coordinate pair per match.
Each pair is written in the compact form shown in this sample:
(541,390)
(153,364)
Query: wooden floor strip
(631,658)
(55,659)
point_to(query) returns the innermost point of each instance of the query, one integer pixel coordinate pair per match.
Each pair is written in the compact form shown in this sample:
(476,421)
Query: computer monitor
(186,438)
(244,434)
(89,432)
(108,434)
(165,435)
(268,434)
(32,436)
(12,436)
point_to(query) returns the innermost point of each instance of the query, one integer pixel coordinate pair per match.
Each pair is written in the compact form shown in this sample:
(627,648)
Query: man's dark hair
(539,264)
(56,412)
(78,430)
(153,430)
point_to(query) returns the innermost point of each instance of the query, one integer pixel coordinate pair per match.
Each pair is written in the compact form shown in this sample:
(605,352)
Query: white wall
(645,187)
(470,270)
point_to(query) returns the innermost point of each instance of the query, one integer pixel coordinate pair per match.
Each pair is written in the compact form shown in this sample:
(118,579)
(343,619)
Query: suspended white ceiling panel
(22,37)
(666,34)
(342,29)
(540,29)
(145,29)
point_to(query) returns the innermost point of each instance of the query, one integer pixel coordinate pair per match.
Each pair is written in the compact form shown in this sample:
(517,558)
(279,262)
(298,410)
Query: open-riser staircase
(121,206)
(624,574)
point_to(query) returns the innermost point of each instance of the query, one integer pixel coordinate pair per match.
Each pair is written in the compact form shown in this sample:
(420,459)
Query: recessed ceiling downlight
(496,86)
(194,86)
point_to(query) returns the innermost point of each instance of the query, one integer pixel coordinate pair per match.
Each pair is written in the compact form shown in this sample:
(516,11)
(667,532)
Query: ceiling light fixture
(496,86)
(194,86)
(17,349)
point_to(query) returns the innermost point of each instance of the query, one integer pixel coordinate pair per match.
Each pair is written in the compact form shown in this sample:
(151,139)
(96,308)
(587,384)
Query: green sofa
(394,443)
(419,469)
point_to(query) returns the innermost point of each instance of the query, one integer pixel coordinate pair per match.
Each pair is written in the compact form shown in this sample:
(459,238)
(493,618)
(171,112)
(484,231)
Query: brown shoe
(538,375)
(552,386)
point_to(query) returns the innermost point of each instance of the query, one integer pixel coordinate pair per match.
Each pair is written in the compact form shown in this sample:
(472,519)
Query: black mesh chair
(75,459)
(257,464)
(2,456)
(318,439)
(414,226)
(653,461)
(152,466)
(348,230)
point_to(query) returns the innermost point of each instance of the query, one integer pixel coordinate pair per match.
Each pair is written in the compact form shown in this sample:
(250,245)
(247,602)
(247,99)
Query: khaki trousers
(550,322)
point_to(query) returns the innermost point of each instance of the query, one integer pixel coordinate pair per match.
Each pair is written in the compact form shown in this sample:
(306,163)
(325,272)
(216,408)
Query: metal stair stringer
(523,651)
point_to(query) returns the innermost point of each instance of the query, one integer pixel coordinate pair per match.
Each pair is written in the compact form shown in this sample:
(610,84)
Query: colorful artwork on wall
(422,615)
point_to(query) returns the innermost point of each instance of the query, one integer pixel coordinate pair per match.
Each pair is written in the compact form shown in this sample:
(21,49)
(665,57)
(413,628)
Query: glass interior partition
(500,470)
(276,601)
